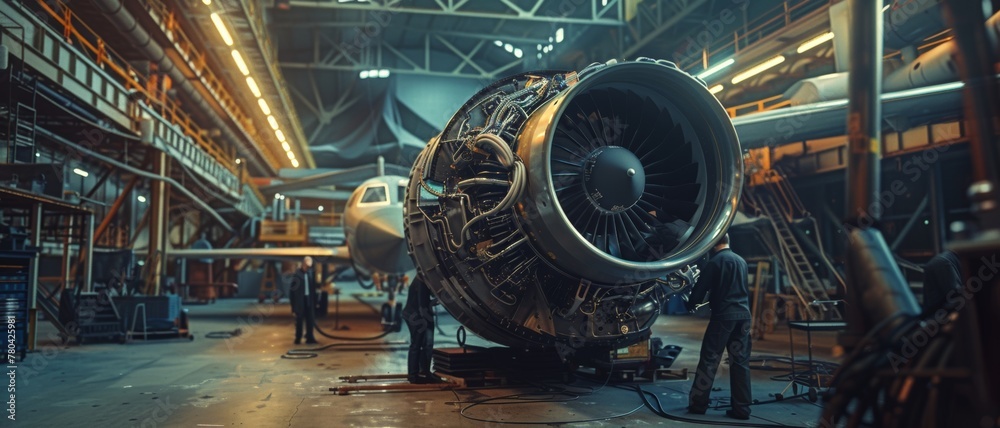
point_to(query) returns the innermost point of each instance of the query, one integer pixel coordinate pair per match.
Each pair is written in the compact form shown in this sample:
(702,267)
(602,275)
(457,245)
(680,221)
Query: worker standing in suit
(302,293)
(724,282)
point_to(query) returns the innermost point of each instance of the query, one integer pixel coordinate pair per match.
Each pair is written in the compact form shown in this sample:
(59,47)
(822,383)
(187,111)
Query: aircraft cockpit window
(401,192)
(375,195)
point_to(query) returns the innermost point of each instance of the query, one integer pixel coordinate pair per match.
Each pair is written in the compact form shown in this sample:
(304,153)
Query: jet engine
(555,207)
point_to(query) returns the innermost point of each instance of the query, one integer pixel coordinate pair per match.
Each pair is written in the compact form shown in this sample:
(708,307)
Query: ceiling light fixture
(759,68)
(280,135)
(221,26)
(716,68)
(141,198)
(263,106)
(240,63)
(80,172)
(715,89)
(253,86)
(273,122)
(560,35)
(815,41)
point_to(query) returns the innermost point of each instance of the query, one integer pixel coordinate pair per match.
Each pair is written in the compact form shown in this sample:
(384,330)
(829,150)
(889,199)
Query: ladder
(778,202)
(21,119)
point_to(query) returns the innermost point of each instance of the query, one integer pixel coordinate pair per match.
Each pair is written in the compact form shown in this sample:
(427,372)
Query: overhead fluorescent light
(363,74)
(273,122)
(715,89)
(221,26)
(80,172)
(295,163)
(886,7)
(498,43)
(239,161)
(508,47)
(539,46)
(759,68)
(539,55)
(253,87)
(280,135)
(383,73)
(240,63)
(815,41)
(141,198)
(207,2)
(263,106)
(284,145)
(518,53)
(291,155)
(560,35)
(320,208)
(716,68)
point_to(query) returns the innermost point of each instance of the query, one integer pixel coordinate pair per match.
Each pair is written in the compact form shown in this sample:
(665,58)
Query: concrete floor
(243,381)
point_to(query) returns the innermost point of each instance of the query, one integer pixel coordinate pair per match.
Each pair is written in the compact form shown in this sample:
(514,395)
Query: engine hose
(303,354)
(355,339)
(658,410)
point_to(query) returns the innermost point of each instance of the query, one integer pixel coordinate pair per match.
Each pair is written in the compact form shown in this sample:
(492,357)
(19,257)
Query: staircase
(777,200)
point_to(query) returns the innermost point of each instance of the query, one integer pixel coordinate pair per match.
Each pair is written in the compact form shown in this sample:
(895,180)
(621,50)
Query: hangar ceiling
(372,78)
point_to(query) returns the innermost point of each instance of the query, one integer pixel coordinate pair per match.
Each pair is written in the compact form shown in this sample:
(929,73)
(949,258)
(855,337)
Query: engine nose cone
(614,179)
(382,243)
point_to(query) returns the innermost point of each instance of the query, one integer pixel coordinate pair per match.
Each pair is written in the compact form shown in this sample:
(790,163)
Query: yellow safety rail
(78,33)
(776,19)
(189,52)
(766,104)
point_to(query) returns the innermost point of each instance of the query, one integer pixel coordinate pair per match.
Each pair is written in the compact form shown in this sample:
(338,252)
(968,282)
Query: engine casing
(554,206)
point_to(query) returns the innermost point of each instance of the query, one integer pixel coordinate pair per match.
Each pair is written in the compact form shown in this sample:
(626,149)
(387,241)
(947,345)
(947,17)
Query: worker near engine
(302,293)
(419,316)
(724,282)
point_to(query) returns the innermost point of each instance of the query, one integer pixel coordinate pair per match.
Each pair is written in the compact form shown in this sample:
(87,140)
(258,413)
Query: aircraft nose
(381,239)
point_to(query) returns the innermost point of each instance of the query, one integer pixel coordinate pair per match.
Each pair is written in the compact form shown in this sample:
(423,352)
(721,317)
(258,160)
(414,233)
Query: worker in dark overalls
(419,316)
(724,282)
(302,295)
(941,277)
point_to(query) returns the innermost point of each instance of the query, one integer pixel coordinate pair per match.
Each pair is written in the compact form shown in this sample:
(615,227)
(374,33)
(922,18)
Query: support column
(87,253)
(158,211)
(36,240)
(938,220)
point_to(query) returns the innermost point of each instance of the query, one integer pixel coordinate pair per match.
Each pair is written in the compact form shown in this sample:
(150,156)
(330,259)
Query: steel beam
(113,211)
(663,22)
(552,11)
(159,213)
(36,239)
(938,218)
(87,254)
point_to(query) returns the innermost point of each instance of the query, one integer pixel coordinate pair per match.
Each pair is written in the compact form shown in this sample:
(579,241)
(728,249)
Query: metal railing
(79,34)
(187,50)
(778,18)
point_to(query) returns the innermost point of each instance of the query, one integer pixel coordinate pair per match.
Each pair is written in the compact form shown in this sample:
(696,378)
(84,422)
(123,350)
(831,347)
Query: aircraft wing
(319,254)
